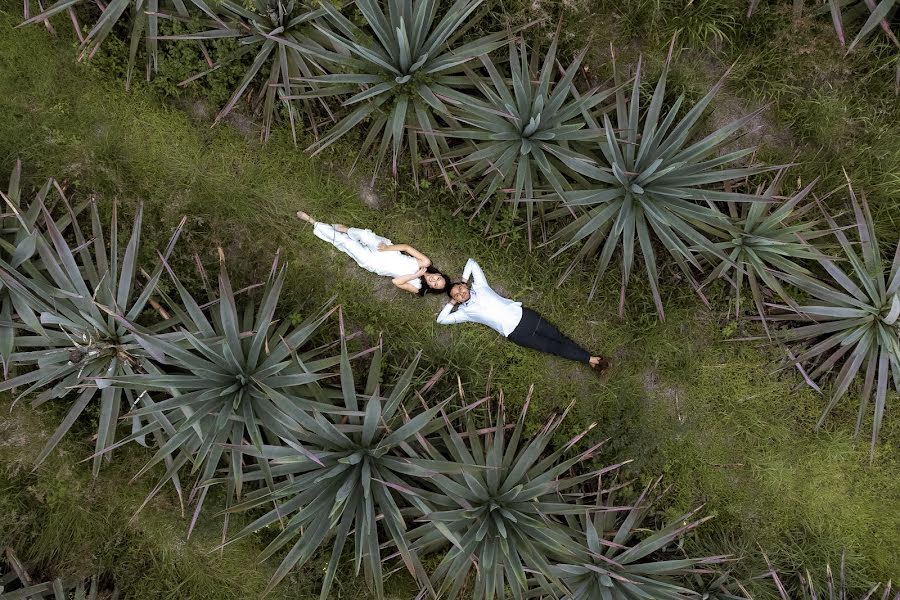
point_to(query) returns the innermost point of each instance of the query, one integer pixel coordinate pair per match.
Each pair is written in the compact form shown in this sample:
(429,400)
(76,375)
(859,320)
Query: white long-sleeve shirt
(484,305)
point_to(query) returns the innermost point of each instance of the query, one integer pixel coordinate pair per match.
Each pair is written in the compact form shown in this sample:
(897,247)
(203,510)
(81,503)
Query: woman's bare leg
(305,217)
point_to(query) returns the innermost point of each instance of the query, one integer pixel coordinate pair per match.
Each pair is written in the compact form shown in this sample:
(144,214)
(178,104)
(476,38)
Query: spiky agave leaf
(346,475)
(658,184)
(877,13)
(854,320)
(71,321)
(228,375)
(833,590)
(144,16)
(397,72)
(502,516)
(527,133)
(17,584)
(719,585)
(621,559)
(279,34)
(18,246)
(769,239)
(754,4)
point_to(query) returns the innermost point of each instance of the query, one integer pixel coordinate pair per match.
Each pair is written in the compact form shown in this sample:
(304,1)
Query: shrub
(397,72)
(73,314)
(854,323)
(657,181)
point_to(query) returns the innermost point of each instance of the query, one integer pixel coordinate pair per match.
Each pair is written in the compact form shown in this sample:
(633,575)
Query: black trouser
(535,332)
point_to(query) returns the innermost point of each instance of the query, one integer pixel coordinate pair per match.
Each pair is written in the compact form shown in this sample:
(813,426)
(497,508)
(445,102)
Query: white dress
(362,246)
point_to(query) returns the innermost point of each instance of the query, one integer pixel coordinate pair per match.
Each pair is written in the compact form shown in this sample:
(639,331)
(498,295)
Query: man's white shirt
(484,306)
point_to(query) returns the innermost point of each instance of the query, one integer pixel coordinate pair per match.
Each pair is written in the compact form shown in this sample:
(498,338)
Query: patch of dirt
(19,436)
(198,110)
(663,394)
(382,287)
(246,126)
(369,196)
(760,130)
(12,434)
(727,108)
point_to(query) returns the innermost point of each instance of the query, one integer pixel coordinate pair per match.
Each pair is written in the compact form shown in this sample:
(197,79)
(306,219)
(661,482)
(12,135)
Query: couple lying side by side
(412,271)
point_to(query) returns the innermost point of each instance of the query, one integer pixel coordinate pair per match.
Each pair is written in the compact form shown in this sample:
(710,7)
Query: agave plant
(399,76)
(229,376)
(834,590)
(503,515)
(854,322)
(524,132)
(619,562)
(144,24)
(659,182)
(280,36)
(344,475)
(17,584)
(70,322)
(770,239)
(18,244)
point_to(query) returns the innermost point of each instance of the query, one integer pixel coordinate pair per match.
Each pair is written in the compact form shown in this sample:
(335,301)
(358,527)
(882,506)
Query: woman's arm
(403,282)
(423,260)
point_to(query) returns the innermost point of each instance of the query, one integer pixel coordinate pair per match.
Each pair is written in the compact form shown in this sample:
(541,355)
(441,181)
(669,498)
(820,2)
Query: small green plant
(17,584)
(834,590)
(397,72)
(144,16)
(522,135)
(502,516)
(770,238)
(19,232)
(658,184)
(71,318)
(877,13)
(227,376)
(853,323)
(279,34)
(619,562)
(345,475)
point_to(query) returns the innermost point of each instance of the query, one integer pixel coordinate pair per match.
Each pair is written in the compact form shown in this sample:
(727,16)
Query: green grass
(684,400)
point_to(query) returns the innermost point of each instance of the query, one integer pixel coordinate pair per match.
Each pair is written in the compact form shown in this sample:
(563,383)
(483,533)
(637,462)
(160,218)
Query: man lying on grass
(478,303)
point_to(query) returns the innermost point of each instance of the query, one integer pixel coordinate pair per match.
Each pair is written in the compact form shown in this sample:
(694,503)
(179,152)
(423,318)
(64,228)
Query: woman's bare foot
(305,217)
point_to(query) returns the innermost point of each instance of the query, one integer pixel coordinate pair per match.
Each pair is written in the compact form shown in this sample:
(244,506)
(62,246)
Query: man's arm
(446,318)
(475,271)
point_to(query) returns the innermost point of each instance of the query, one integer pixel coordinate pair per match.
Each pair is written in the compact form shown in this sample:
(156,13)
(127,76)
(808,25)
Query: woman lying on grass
(409,269)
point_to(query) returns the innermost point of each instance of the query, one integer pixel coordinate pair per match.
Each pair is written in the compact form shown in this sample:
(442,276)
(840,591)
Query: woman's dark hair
(424,288)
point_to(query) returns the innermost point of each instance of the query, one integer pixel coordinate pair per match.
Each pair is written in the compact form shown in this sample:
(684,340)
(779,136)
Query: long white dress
(362,246)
